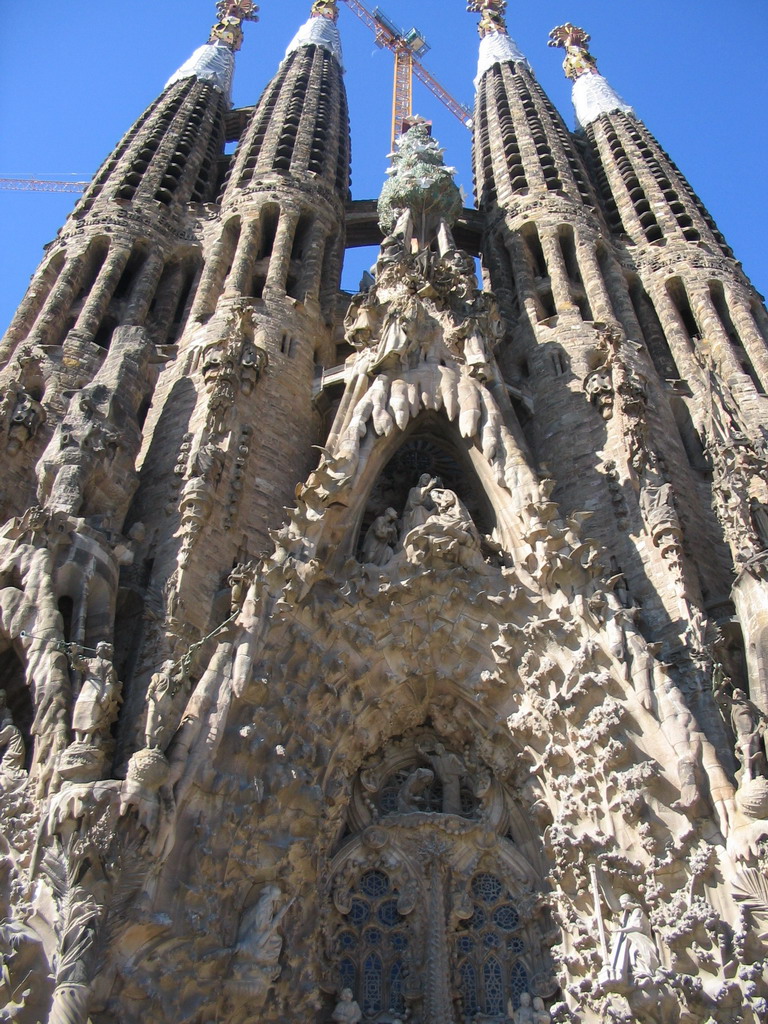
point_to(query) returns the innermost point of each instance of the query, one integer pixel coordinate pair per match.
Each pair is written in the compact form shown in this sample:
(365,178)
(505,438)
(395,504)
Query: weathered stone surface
(395,657)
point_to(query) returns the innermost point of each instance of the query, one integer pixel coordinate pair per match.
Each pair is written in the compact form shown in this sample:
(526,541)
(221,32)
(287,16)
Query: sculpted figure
(679,725)
(759,516)
(541,1014)
(259,943)
(11,741)
(409,797)
(450,770)
(633,955)
(749,727)
(99,696)
(448,535)
(160,696)
(381,538)
(27,417)
(524,1013)
(419,504)
(347,1011)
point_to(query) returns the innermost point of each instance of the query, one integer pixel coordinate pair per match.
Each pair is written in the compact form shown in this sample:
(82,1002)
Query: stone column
(59,301)
(103,289)
(558,275)
(144,290)
(277,274)
(240,279)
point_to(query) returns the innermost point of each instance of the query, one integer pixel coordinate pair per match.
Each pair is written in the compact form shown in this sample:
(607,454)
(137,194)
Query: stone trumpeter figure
(99,696)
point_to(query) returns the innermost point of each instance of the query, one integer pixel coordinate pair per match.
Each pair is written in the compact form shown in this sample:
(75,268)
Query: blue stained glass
(465,944)
(397,987)
(372,985)
(347,940)
(494,986)
(468,987)
(506,917)
(515,945)
(347,974)
(359,912)
(374,884)
(373,937)
(477,920)
(399,941)
(388,913)
(491,940)
(486,888)
(518,983)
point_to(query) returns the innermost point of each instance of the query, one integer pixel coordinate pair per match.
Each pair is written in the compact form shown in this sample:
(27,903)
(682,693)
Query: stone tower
(388,657)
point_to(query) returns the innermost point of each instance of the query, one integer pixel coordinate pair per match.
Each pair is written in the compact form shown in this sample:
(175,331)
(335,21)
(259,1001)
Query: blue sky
(75,75)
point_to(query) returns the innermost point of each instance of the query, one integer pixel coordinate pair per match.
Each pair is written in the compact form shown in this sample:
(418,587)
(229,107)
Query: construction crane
(42,185)
(407,47)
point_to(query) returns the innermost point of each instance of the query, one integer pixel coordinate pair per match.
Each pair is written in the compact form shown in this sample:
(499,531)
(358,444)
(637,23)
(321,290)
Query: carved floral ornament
(492,15)
(232,14)
(575,41)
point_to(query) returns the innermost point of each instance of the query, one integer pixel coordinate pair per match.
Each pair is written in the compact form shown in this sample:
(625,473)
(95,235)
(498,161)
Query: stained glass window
(487,951)
(372,944)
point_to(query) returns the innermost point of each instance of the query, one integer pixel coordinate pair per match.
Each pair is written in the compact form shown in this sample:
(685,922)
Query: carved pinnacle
(575,41)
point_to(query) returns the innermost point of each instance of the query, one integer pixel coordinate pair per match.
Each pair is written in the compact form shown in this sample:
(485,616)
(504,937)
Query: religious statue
(11,740)
(634,957)
(99,697)
(27,417)
(759,516)
(450,770)
(160,694)
(347,1010)
(598,387)
(419,504)
(749,726)
(448,535)
(259,944)
(381,538)
(239,580)
(524,1013)
(541,1014)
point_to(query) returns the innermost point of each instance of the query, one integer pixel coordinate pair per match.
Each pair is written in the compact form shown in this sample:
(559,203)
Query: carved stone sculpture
(347,1010)
(99,697)
(259,943)
(27,417)
(419,504)
(447,536)
(381,538)
(749,726)
(634,956)
(524,1013)
(160,695)
(11,741)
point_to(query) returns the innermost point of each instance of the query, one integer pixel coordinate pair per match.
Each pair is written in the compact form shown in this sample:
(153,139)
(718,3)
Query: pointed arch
(475,478)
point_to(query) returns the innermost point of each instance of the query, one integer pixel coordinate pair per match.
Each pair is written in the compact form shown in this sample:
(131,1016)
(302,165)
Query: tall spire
(592,94)
(214,62)
(496,45)
(319,30)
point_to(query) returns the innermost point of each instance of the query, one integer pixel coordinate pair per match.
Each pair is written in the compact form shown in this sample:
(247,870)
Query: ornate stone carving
(575,41)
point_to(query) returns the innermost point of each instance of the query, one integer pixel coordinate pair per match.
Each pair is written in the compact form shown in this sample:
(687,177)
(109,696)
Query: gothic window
(488,950)
(372,944)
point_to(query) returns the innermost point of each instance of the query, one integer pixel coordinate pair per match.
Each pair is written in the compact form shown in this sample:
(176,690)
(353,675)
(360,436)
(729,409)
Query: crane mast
(407,48)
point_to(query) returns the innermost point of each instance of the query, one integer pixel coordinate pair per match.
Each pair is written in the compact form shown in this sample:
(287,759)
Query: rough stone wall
(443,731)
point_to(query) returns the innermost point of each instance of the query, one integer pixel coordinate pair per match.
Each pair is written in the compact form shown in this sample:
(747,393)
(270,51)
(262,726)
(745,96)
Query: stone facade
(389,657)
